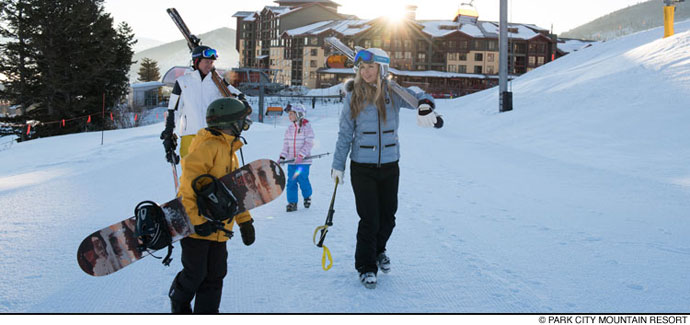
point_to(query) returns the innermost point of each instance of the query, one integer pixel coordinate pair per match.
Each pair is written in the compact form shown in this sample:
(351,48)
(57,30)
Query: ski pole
(305,158)
(324,231)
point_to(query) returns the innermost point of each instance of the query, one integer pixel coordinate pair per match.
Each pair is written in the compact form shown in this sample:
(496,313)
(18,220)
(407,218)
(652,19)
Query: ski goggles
(368,57)
(207,54)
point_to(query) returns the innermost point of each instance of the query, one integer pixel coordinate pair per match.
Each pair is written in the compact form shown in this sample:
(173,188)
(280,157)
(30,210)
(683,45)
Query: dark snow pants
(376,197)
(204,265)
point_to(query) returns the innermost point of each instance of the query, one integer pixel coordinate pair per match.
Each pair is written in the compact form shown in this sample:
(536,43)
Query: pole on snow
(324,230)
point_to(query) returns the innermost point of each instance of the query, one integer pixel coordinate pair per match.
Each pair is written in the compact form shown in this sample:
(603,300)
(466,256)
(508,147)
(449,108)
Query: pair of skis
(398,89)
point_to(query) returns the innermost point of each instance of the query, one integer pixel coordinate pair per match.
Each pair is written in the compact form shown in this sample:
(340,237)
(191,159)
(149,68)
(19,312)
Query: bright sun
(394,14)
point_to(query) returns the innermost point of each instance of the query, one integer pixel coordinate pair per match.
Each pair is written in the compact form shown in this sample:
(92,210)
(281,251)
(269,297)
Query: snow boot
(291,207)
(177,307)
(307,202)
(383,262)
(368,279)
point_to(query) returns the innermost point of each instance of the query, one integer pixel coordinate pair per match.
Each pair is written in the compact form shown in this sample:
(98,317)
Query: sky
(149,19)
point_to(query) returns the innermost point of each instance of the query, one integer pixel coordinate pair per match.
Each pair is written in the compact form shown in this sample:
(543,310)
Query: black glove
(247,232)
(204,229)
(170,144)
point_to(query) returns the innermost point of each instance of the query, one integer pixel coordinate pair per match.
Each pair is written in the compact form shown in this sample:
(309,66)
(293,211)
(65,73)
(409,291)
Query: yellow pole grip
(326,255)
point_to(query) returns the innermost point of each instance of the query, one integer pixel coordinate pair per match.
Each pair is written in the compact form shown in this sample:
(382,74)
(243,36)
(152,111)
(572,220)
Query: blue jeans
(298,174)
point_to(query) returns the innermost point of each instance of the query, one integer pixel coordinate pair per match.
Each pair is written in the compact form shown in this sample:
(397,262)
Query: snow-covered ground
(577,201)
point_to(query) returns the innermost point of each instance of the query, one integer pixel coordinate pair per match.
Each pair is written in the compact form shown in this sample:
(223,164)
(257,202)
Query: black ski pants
(204,265)
(376,197)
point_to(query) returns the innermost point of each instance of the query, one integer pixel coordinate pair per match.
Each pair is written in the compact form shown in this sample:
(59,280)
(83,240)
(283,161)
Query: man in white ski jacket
(191,95)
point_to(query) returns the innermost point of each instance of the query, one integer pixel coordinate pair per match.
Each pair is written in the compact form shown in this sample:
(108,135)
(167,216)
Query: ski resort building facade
(443,57)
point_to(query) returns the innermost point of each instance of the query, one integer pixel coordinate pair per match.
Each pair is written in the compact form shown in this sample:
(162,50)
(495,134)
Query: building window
(478,69)
(479,57)
(478,44)
(312,63)
(452,56)
(314,41)
(490,69)
(377,43)
(540,60)
(452,44)
(463,44)
(452,68)
(462,68)
(531,60)
(421,68)
(408,55)
(490,57)
(387,44)
(397,44)
(314,52)
(408,44)
(463,57)
(421,56)
(367,43)
(421,44)
(492,45)
(398,55)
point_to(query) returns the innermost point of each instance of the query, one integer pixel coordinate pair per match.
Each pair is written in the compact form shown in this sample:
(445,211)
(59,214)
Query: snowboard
(112,248)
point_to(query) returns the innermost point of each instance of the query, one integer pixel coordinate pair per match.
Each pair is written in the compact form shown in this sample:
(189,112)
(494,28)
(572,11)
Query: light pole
(505,99)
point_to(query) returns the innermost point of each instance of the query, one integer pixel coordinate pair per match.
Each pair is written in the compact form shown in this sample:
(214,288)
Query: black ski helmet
(203,52)
(228,114)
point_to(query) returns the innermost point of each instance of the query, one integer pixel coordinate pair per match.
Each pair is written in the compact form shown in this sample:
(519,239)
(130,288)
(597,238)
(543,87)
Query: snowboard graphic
(112,248)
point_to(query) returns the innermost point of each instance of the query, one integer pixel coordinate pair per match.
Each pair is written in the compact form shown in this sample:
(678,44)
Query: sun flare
(394,14)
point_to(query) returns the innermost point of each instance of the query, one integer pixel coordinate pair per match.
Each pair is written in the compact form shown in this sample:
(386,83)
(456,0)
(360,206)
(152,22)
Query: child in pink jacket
(297,144)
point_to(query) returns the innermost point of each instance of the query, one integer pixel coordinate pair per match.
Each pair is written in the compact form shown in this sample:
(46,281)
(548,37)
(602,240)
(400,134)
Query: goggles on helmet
(368,57)
(207,54)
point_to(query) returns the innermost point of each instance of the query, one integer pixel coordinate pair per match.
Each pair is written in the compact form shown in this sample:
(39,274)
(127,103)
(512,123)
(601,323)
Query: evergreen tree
(70,54)
(149,70)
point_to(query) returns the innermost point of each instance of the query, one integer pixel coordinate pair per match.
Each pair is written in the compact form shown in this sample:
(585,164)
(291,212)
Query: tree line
(59,58)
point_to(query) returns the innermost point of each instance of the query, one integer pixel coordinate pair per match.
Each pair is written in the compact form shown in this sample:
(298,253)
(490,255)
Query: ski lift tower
(669,11)
(505,99)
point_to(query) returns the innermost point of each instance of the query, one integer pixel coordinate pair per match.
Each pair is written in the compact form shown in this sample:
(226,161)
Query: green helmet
(228,114)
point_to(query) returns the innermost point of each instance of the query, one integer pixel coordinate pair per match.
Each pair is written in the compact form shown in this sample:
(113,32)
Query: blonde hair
(364,93)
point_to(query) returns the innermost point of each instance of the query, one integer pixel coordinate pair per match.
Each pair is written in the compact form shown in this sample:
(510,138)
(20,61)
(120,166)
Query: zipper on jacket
(294,143)
(378,118)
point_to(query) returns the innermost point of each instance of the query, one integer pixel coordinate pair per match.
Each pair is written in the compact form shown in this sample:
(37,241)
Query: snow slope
(576,201)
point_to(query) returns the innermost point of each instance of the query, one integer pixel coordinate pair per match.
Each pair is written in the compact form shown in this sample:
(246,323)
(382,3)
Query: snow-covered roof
(147,85)
(572,45)
(243,14)
(308,29)
(482,29)
(280,10)
(346,27)
(427,73)
(252,17)
(435,74)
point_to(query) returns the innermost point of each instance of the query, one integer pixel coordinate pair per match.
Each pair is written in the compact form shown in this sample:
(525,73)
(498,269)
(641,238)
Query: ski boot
(307,202)
(291,207)
(368,279)
(383,262)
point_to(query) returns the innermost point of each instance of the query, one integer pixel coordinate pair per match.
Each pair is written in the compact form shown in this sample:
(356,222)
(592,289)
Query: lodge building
(443,57)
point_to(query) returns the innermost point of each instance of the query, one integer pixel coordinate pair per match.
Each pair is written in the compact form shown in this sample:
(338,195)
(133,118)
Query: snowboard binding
(152,229)
(215,201)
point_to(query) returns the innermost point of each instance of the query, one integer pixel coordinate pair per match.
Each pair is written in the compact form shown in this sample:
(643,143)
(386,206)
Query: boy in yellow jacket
(204,253)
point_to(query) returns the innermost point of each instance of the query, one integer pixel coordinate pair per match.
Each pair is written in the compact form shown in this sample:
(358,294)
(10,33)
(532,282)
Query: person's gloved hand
(337,175)
(298,159)
(426,117)
(204,229)
(170,144)
(247,232)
